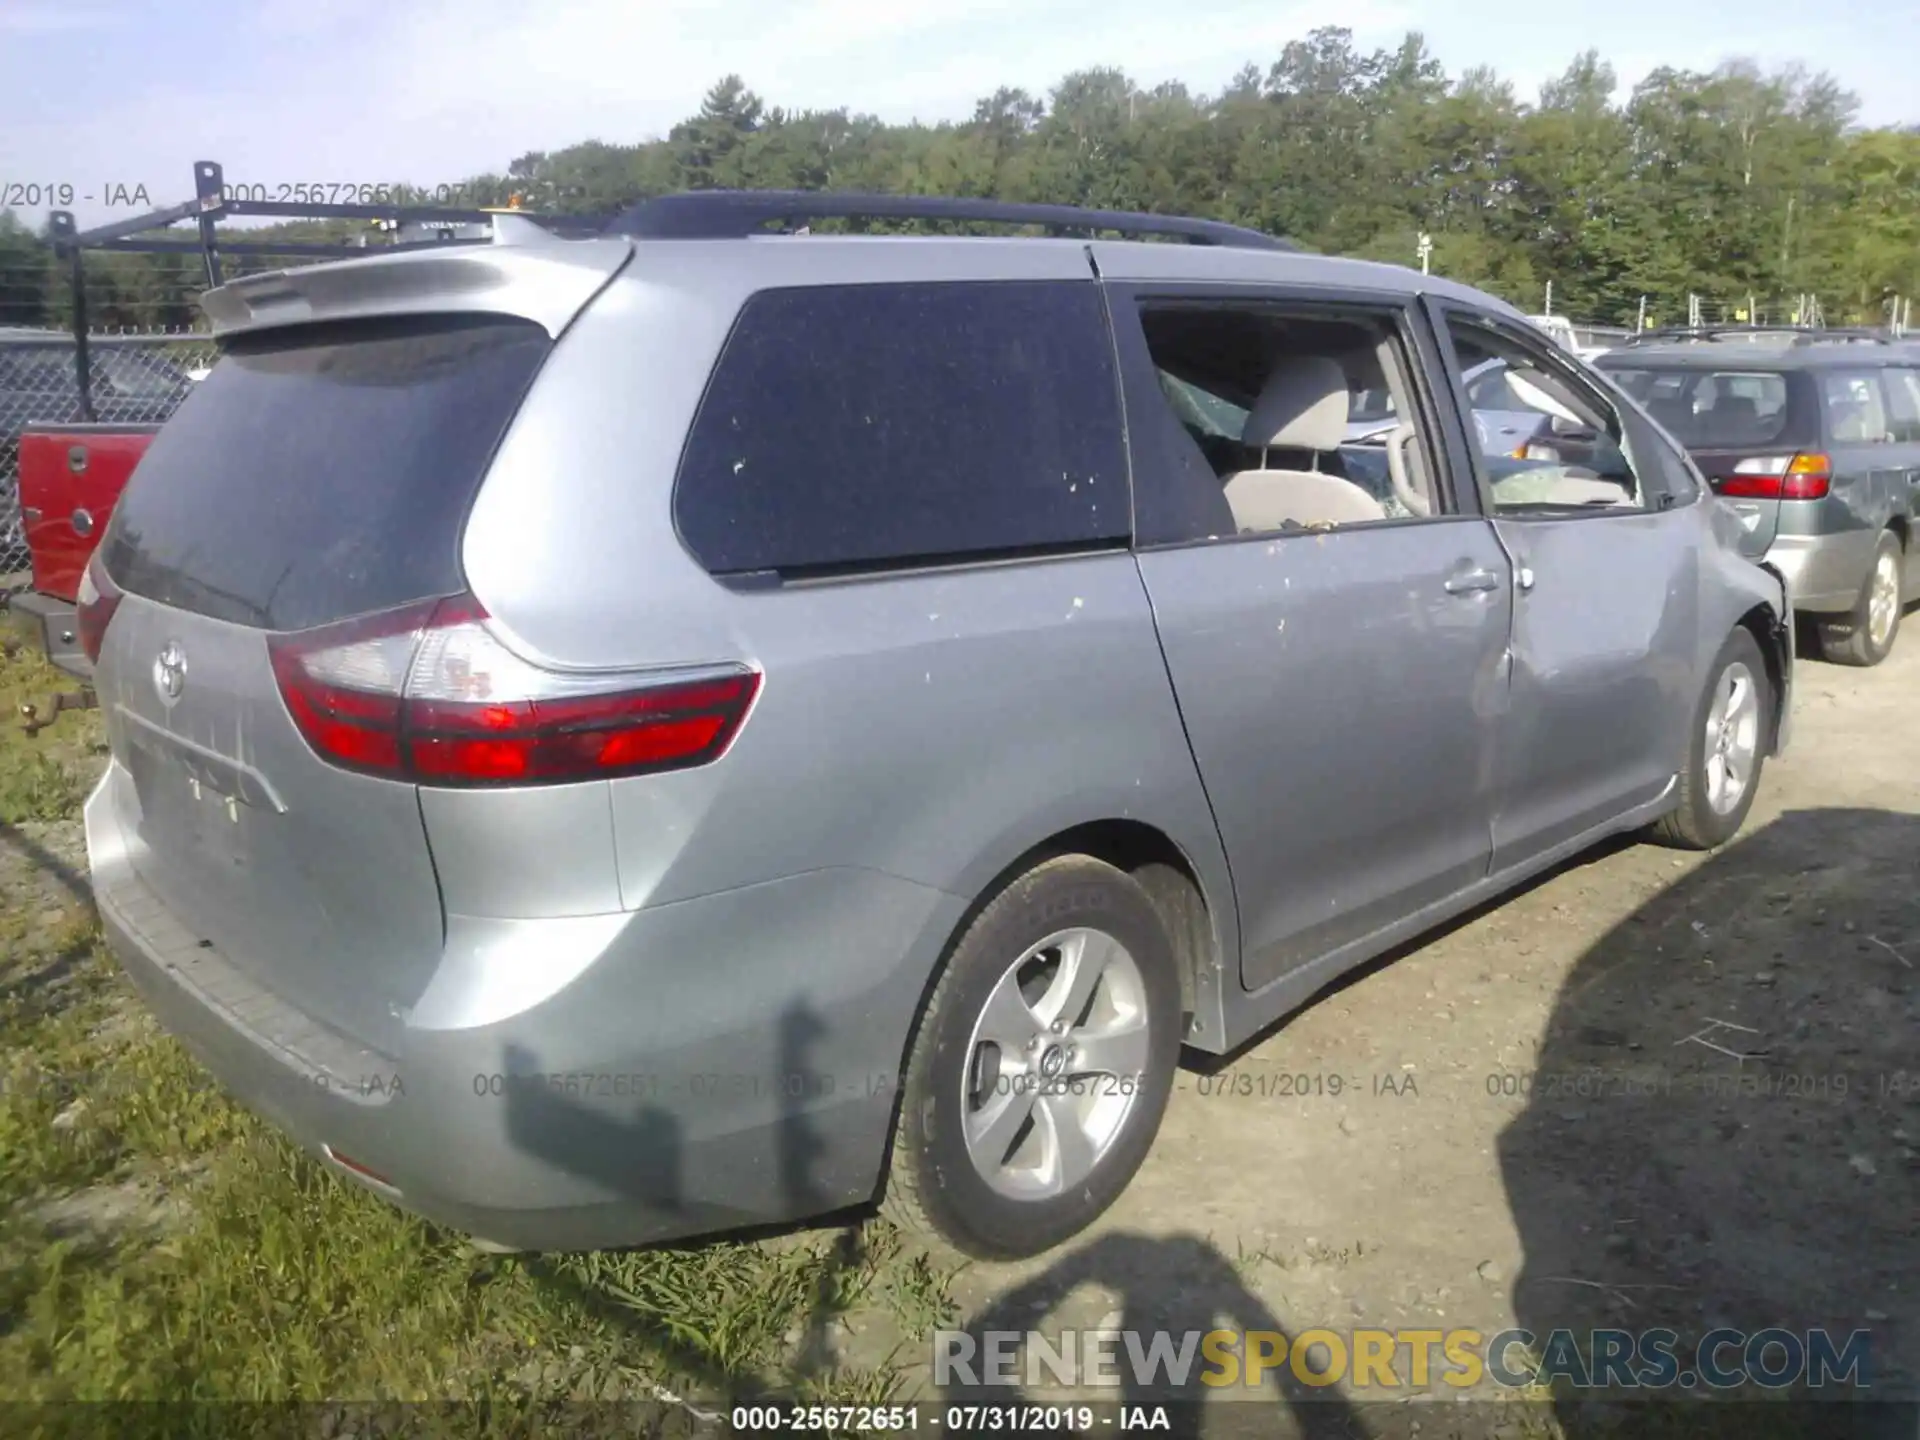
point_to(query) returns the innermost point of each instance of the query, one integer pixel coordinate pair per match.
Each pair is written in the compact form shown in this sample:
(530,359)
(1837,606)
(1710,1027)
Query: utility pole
(1786,240)
(1549,297)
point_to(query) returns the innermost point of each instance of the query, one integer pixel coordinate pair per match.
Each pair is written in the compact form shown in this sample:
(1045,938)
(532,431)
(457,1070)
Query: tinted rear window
(863,425)
(1712,409)
(323,471)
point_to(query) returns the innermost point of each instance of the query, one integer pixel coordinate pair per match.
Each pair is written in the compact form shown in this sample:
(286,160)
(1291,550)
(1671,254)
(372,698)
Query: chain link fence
(135,379)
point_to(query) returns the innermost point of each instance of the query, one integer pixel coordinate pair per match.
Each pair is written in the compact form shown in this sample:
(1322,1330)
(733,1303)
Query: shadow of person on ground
(71,880)
(35,991)
(1178,1285)
(635,1148)
(1722,1128)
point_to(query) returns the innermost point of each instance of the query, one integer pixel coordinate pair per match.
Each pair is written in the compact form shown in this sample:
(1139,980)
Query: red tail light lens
(98,598)
(428,694)
(1806,476)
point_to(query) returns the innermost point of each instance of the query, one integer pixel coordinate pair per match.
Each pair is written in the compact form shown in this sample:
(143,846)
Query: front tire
(1865,634)
(1726,751)
(1041,1066)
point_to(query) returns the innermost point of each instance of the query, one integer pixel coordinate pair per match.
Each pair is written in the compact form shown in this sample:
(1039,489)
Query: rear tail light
(428,694)
(1806,476)
(97,599)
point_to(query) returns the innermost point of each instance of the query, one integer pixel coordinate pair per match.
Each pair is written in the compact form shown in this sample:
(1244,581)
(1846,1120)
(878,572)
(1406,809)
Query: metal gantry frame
(698,214)
(211,204)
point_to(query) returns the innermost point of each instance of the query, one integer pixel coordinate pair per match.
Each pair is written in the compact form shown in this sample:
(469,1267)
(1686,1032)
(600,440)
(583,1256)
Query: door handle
(1472,582)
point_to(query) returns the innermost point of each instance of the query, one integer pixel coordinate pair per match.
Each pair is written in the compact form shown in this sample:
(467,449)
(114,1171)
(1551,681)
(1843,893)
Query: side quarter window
(858,427)
(1558,444)
(1856,410)
(1903,405)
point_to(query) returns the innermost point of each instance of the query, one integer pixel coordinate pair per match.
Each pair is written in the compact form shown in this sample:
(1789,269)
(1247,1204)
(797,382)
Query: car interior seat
(1302,407)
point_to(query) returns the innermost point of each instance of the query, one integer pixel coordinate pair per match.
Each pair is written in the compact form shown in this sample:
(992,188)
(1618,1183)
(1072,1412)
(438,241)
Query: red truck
(71,474)
(70,478)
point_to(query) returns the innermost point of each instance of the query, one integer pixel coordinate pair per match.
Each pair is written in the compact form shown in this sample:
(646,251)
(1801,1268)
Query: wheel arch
(1193,894)
(1772,627)
(1188,883)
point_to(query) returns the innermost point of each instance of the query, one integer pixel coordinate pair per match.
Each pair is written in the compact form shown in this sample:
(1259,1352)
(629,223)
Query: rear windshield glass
(323,471)
(1711,409)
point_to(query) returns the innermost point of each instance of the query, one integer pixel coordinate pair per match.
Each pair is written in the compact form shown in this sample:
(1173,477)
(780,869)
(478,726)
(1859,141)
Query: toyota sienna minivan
(709,725)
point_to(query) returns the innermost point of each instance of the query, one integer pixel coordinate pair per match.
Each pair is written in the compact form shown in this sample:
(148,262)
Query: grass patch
(38,787)
(44,776)
(159,1243)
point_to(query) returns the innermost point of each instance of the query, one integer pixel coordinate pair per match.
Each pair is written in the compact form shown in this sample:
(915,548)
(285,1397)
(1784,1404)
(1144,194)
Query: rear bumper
(50,625)
(728,1062)
(1825,572)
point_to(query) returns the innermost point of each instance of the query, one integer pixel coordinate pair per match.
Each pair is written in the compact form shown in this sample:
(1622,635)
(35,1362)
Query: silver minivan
(718,724)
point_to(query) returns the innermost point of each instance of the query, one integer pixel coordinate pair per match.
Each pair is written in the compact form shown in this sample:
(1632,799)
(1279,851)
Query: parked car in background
(1564,333)
(39,385)
(1813,439)
(1513,421)
(59,478)
(584,745)
(71,476)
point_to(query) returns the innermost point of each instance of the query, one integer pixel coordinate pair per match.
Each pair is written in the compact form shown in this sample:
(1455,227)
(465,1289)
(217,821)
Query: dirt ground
(1649,1090)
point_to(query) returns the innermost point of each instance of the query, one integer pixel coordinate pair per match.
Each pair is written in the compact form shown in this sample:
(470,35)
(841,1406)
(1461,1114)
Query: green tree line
(1727,183)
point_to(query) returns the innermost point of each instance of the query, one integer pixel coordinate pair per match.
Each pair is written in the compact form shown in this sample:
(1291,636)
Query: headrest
(1303,406)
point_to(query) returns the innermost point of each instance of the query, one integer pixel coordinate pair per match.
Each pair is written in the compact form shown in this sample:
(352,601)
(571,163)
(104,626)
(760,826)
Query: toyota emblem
(170,671)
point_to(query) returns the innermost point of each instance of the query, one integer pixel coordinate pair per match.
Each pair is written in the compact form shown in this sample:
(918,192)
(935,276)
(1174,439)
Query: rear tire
(1726,750)
(1041,1066)
(1865,634)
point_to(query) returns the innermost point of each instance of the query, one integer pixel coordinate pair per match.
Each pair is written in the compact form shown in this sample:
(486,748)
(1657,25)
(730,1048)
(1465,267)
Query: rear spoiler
(548,284)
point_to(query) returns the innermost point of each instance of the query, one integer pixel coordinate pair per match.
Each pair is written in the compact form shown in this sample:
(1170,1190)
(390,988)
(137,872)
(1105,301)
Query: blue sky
(105,92)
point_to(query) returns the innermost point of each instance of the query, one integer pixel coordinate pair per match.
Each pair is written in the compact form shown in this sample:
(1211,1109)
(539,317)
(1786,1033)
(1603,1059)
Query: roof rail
(1780,334)
(1843,335)
(738,214)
